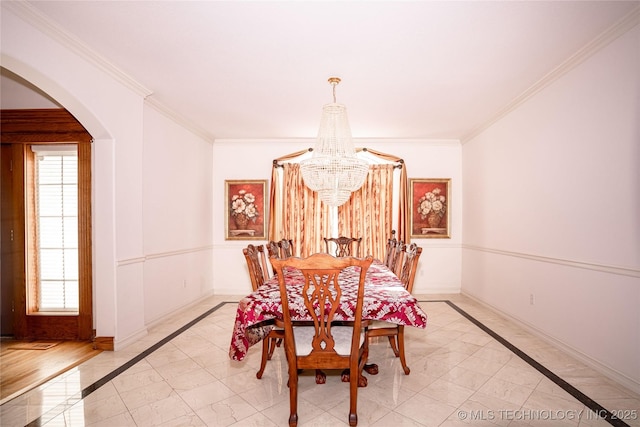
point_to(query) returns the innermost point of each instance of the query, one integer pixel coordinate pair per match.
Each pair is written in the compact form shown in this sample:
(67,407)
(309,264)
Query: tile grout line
(577,394)
(584,399)
(111,375)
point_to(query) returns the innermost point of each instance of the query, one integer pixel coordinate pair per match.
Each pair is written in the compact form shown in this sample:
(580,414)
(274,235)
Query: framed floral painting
(430,200)
(245,209)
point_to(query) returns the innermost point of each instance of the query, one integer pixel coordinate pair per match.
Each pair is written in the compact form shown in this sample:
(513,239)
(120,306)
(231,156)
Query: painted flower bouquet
(243,208)
(432,207)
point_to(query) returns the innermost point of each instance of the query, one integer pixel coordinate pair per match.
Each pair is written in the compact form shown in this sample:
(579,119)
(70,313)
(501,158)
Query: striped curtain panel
(297,213)
(369,212)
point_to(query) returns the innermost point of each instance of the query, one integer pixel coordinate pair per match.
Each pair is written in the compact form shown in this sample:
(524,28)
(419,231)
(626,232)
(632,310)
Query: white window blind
(57,227)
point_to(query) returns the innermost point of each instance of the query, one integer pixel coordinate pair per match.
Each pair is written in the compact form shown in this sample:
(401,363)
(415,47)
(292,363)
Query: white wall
(177,210)
(551,200)
(552,210)
(151,245)
(439,265)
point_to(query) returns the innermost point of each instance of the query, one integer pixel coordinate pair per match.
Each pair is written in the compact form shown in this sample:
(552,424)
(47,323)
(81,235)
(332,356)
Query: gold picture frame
(430,207)
(245,209)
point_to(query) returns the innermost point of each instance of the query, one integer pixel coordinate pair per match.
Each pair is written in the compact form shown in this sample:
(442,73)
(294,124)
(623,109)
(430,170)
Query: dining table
(385,298)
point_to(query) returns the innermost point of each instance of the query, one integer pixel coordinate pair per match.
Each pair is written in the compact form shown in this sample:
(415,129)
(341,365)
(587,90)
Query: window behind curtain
(298,214)
(55,227)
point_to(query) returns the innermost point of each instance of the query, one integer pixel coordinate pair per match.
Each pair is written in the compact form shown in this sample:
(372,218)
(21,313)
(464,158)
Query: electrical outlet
(531,300)
(184,284)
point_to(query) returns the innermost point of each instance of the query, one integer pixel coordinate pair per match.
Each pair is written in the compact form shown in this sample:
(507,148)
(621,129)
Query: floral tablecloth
(384,299)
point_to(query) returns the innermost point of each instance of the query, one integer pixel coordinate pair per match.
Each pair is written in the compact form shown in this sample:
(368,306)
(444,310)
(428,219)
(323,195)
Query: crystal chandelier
(333,170)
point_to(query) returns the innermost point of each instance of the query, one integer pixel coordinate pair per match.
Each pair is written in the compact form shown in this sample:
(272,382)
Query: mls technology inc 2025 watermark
(545,415)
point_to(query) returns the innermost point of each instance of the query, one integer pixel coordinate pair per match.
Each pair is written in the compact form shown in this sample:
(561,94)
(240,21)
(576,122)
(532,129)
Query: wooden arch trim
(41,126)
(55,126)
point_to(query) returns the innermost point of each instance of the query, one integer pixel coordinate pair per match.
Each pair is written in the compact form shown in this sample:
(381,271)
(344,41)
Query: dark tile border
(584,399)
(111,375)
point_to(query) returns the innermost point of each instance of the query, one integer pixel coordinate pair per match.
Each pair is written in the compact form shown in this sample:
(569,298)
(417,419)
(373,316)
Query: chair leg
(353,396)
(394,346)
(357,380)
(266,343)
(353,420)
(401,350)
(293,396)
(273,343)
(321,377)
(361,381)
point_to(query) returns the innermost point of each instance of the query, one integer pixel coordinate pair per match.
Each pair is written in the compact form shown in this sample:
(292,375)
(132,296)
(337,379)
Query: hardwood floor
(22,370)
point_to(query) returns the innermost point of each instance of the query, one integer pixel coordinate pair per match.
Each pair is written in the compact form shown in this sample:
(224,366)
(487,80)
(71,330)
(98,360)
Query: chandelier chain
(334,82)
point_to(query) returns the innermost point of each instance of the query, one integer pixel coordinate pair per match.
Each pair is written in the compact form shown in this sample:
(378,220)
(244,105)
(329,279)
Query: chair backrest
(345,246)
(273,249)
(286,248)
(410,265)
(321,296)
(280,249)
(252,257)
(395,264)
(390,255)
(262,254)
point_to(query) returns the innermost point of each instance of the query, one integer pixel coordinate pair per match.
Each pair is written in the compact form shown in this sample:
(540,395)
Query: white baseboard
(440,289)
(121,344)
(605,370)
(180,310)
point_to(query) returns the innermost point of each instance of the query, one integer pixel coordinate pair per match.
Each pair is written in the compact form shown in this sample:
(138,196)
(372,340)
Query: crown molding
(626,23)
(179,119)
(358,142)
(443,142)
(43,23)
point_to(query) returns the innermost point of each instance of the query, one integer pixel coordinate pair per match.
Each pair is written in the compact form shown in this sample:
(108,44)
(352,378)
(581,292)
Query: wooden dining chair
(258,273)
(324,345)
(398,260)
(394,332)
(286,248)
(273,249)
(390,251)
(410,265)
(253,258)
(344,246)
(263,262)
(280,249)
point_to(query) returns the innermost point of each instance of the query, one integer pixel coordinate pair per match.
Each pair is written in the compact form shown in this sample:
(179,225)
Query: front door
(36,302)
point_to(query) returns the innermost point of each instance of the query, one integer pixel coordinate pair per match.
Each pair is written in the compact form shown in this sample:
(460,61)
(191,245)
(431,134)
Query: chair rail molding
(142,259)
(612,269)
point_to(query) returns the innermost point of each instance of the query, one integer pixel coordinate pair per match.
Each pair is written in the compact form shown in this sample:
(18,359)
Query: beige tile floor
(460,376)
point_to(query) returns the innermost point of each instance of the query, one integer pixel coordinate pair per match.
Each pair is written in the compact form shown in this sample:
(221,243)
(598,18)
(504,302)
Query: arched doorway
(22,129)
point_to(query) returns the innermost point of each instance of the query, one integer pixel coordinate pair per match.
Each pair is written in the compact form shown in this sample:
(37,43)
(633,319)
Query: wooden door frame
(54,126)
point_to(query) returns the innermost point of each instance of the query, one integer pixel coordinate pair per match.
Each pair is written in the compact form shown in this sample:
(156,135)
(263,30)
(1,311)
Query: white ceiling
(422,69)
